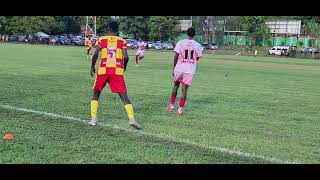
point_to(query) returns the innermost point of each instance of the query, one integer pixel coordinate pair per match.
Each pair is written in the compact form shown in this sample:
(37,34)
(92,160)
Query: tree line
(149,27)
(146,27)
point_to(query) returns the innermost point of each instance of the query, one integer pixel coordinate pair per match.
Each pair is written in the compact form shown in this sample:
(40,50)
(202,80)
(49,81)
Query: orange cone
(8,136)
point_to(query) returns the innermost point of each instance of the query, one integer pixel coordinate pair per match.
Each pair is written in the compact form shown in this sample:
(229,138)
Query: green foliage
(313,27)
(29,24)
(163,27)
(72,24)
(255,26)
(134,25)
(102,24)
(149,27)
(3,23)
(263,106)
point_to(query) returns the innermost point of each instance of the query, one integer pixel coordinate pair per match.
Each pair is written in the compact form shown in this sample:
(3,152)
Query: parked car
(280,50)
(167,46)
(54,39)
(13,38)
(132,43)
(21,38)
(135,45)
(214,46)
(157,46)
(304,50)
(313,50)
(205,46)
(63,40)
(79,42)
(309,50)
(149,44)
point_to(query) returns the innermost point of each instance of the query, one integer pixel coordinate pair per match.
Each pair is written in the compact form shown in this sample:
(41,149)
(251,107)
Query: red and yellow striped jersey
(111,56)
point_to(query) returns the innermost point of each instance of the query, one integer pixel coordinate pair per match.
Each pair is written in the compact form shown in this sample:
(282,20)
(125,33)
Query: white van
(279,50)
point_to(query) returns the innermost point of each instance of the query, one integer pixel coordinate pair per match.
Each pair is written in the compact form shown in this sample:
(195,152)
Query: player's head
(140,39)
(191,32)
(113,26)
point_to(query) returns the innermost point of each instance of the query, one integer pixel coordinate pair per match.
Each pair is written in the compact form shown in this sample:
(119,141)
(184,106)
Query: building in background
(285,27)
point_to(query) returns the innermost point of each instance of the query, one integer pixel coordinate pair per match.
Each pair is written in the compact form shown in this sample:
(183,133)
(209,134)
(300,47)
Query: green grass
(271,112)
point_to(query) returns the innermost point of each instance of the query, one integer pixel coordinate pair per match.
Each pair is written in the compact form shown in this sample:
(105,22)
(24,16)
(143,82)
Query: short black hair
(113,26)
(191,32)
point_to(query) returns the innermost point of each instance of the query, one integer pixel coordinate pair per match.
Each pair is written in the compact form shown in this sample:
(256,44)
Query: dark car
(313,50)
(135,45)
(309,50)
(78,42)
(63,40)
(304,50)
(13,38)
(53,39)
(205,45)
(21,38)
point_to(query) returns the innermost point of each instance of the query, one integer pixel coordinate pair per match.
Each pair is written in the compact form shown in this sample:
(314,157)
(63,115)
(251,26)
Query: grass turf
(271,112)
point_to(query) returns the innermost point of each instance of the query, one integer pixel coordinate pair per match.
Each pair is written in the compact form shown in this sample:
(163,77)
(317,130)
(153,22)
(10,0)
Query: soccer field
(239,110)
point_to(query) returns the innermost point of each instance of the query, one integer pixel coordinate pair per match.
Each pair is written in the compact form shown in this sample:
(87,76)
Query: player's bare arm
(125,58)
(94,60)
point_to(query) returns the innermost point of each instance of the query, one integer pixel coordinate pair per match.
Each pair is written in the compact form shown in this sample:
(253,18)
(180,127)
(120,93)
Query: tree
(232,23)
(184,17)
(102,24)
(314,29)
(134,25)
(197,23)
(3,23)
(59,26)
(255,26)
(163,27)
(29,24)
(72,24)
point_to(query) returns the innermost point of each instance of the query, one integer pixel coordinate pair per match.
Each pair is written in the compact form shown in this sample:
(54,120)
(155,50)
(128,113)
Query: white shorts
(139,53)
(184,78)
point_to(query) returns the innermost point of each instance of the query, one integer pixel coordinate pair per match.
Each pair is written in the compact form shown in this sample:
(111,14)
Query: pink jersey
(141,45)
(189,51)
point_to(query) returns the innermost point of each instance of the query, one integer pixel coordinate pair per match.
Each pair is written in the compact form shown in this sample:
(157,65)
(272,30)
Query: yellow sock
(94,108)
(129,110)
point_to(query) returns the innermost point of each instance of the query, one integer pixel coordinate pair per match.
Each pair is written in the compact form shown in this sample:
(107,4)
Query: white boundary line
(159,136)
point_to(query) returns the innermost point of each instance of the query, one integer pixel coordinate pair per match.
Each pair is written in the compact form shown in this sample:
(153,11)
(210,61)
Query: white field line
(159,136)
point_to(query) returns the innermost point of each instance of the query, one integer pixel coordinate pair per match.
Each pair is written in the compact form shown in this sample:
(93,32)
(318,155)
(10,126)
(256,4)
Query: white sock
(93,121)
(180,109)
(132,121)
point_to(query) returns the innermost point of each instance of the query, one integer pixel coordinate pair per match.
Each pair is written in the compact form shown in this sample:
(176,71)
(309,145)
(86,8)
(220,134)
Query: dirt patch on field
(268,65)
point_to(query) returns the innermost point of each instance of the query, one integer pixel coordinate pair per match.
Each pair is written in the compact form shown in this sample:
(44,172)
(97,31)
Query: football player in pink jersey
(139,54)
(187,53)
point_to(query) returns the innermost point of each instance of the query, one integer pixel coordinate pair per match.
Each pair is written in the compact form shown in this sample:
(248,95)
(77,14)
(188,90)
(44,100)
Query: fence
(270,41)
(199,39)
